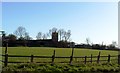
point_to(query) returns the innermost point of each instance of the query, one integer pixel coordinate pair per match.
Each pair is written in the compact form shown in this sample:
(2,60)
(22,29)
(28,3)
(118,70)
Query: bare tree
(27,37)
(50,32)
(54,29)
(61,33)
(47,35)
(20,32)
(66,35)
(44,36)
(39,36)
(88,41)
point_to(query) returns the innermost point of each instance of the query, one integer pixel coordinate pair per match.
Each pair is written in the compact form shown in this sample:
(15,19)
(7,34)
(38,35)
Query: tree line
(64,36)
(21,34)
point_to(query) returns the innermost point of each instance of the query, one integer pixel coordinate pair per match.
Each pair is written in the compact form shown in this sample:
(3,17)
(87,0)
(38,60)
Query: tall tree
(20,32)
(54,29)
(88,41)
(66,35)
(27,37)
(47,35)
(39,36)
(61,33)
(44,36)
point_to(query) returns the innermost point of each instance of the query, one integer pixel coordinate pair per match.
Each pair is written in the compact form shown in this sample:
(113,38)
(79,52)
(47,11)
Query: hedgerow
(64,68)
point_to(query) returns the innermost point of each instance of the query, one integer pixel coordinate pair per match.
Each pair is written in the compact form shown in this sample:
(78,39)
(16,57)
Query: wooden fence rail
(53,58)
(6,56)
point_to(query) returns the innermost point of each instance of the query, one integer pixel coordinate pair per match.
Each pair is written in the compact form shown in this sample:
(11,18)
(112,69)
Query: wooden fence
(53,57)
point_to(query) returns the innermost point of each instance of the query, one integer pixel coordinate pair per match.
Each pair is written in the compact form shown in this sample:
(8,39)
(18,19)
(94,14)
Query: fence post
(119,59)
(99,53)
(85,59)
(53,57)
(108,58)
(31,58)
(71,57)
(98,58)
(6,60)
(91,58)
(6,48)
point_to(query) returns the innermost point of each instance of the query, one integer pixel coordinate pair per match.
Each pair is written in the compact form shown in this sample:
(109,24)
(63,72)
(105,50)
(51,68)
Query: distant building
(53,42)
(55,37)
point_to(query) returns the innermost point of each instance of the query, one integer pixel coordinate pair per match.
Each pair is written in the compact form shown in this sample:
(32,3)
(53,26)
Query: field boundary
(53,57)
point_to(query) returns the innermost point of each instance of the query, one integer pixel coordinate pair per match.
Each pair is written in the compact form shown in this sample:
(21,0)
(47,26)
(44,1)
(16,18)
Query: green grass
(58,68)
(48,51)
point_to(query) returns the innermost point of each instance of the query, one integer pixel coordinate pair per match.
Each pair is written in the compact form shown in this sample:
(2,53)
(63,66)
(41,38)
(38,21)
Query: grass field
(48,51)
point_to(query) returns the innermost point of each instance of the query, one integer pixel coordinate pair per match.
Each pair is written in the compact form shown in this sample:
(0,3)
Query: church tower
(55,37)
